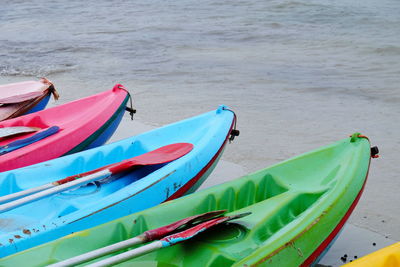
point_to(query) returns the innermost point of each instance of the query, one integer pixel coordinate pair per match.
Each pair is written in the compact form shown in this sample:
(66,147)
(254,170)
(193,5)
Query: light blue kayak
(70,211)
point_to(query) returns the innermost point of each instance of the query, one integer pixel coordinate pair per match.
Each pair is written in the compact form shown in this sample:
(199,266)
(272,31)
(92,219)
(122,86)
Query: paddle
(29,140)
(159,156)
(166,241)
(11,131)
(145,237)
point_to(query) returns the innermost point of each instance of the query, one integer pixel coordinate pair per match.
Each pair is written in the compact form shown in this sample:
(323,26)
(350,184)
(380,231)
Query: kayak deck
(294,205)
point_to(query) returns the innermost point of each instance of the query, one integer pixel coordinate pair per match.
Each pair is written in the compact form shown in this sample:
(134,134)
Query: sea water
(299,74)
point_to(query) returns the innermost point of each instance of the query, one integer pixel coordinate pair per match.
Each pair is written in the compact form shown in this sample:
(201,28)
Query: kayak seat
(69,209)
(283,212)
(9,185)
(277,204)
(81,197)
(251,192)
(276,212)
(35,121)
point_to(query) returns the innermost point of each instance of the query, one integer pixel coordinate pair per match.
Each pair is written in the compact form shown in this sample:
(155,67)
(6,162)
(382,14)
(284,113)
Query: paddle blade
(160,232)
(161,155)
(11,131)
(191,232)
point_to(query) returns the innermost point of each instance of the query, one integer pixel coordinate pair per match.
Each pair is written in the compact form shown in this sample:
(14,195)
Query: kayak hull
(296,206)
(40,106)
(81,208)
(104,133)
(83,124)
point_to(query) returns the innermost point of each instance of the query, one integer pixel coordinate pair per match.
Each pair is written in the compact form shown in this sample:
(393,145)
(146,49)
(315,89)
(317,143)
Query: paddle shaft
(147,236)
(100,252)
(22,201)
(128,255)
(29,191)
(33,190)
(161,155)
(69,179)
(166,241)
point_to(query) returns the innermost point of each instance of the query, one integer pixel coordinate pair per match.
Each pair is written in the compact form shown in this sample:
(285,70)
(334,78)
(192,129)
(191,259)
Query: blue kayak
(103,200)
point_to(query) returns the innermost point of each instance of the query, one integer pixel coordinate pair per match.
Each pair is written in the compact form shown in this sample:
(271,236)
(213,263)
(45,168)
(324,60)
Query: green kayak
(297,209)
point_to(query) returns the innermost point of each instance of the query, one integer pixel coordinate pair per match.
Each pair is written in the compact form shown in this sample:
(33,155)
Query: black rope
(51,89)
(54,92)
(234,132)
(130,109)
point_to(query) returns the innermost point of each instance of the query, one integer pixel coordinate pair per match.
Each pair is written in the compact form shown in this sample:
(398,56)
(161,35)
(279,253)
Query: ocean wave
(388,50)
(38,71)
(296,4)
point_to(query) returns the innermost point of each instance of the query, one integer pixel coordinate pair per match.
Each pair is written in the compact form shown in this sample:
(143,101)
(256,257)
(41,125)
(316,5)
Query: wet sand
(354,242)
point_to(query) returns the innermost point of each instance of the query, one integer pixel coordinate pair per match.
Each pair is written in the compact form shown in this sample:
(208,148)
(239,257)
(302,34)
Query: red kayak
(82,124)
(17,99)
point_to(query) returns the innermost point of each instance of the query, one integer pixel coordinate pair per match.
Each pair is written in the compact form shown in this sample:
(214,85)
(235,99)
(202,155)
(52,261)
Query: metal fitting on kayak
(234,133)
(131,111)
(374,152)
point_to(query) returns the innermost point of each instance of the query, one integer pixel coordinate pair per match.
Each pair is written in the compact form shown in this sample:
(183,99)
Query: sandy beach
(299,75)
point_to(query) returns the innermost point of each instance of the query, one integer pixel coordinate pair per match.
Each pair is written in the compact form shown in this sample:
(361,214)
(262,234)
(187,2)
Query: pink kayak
(82,124)
(22,98)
